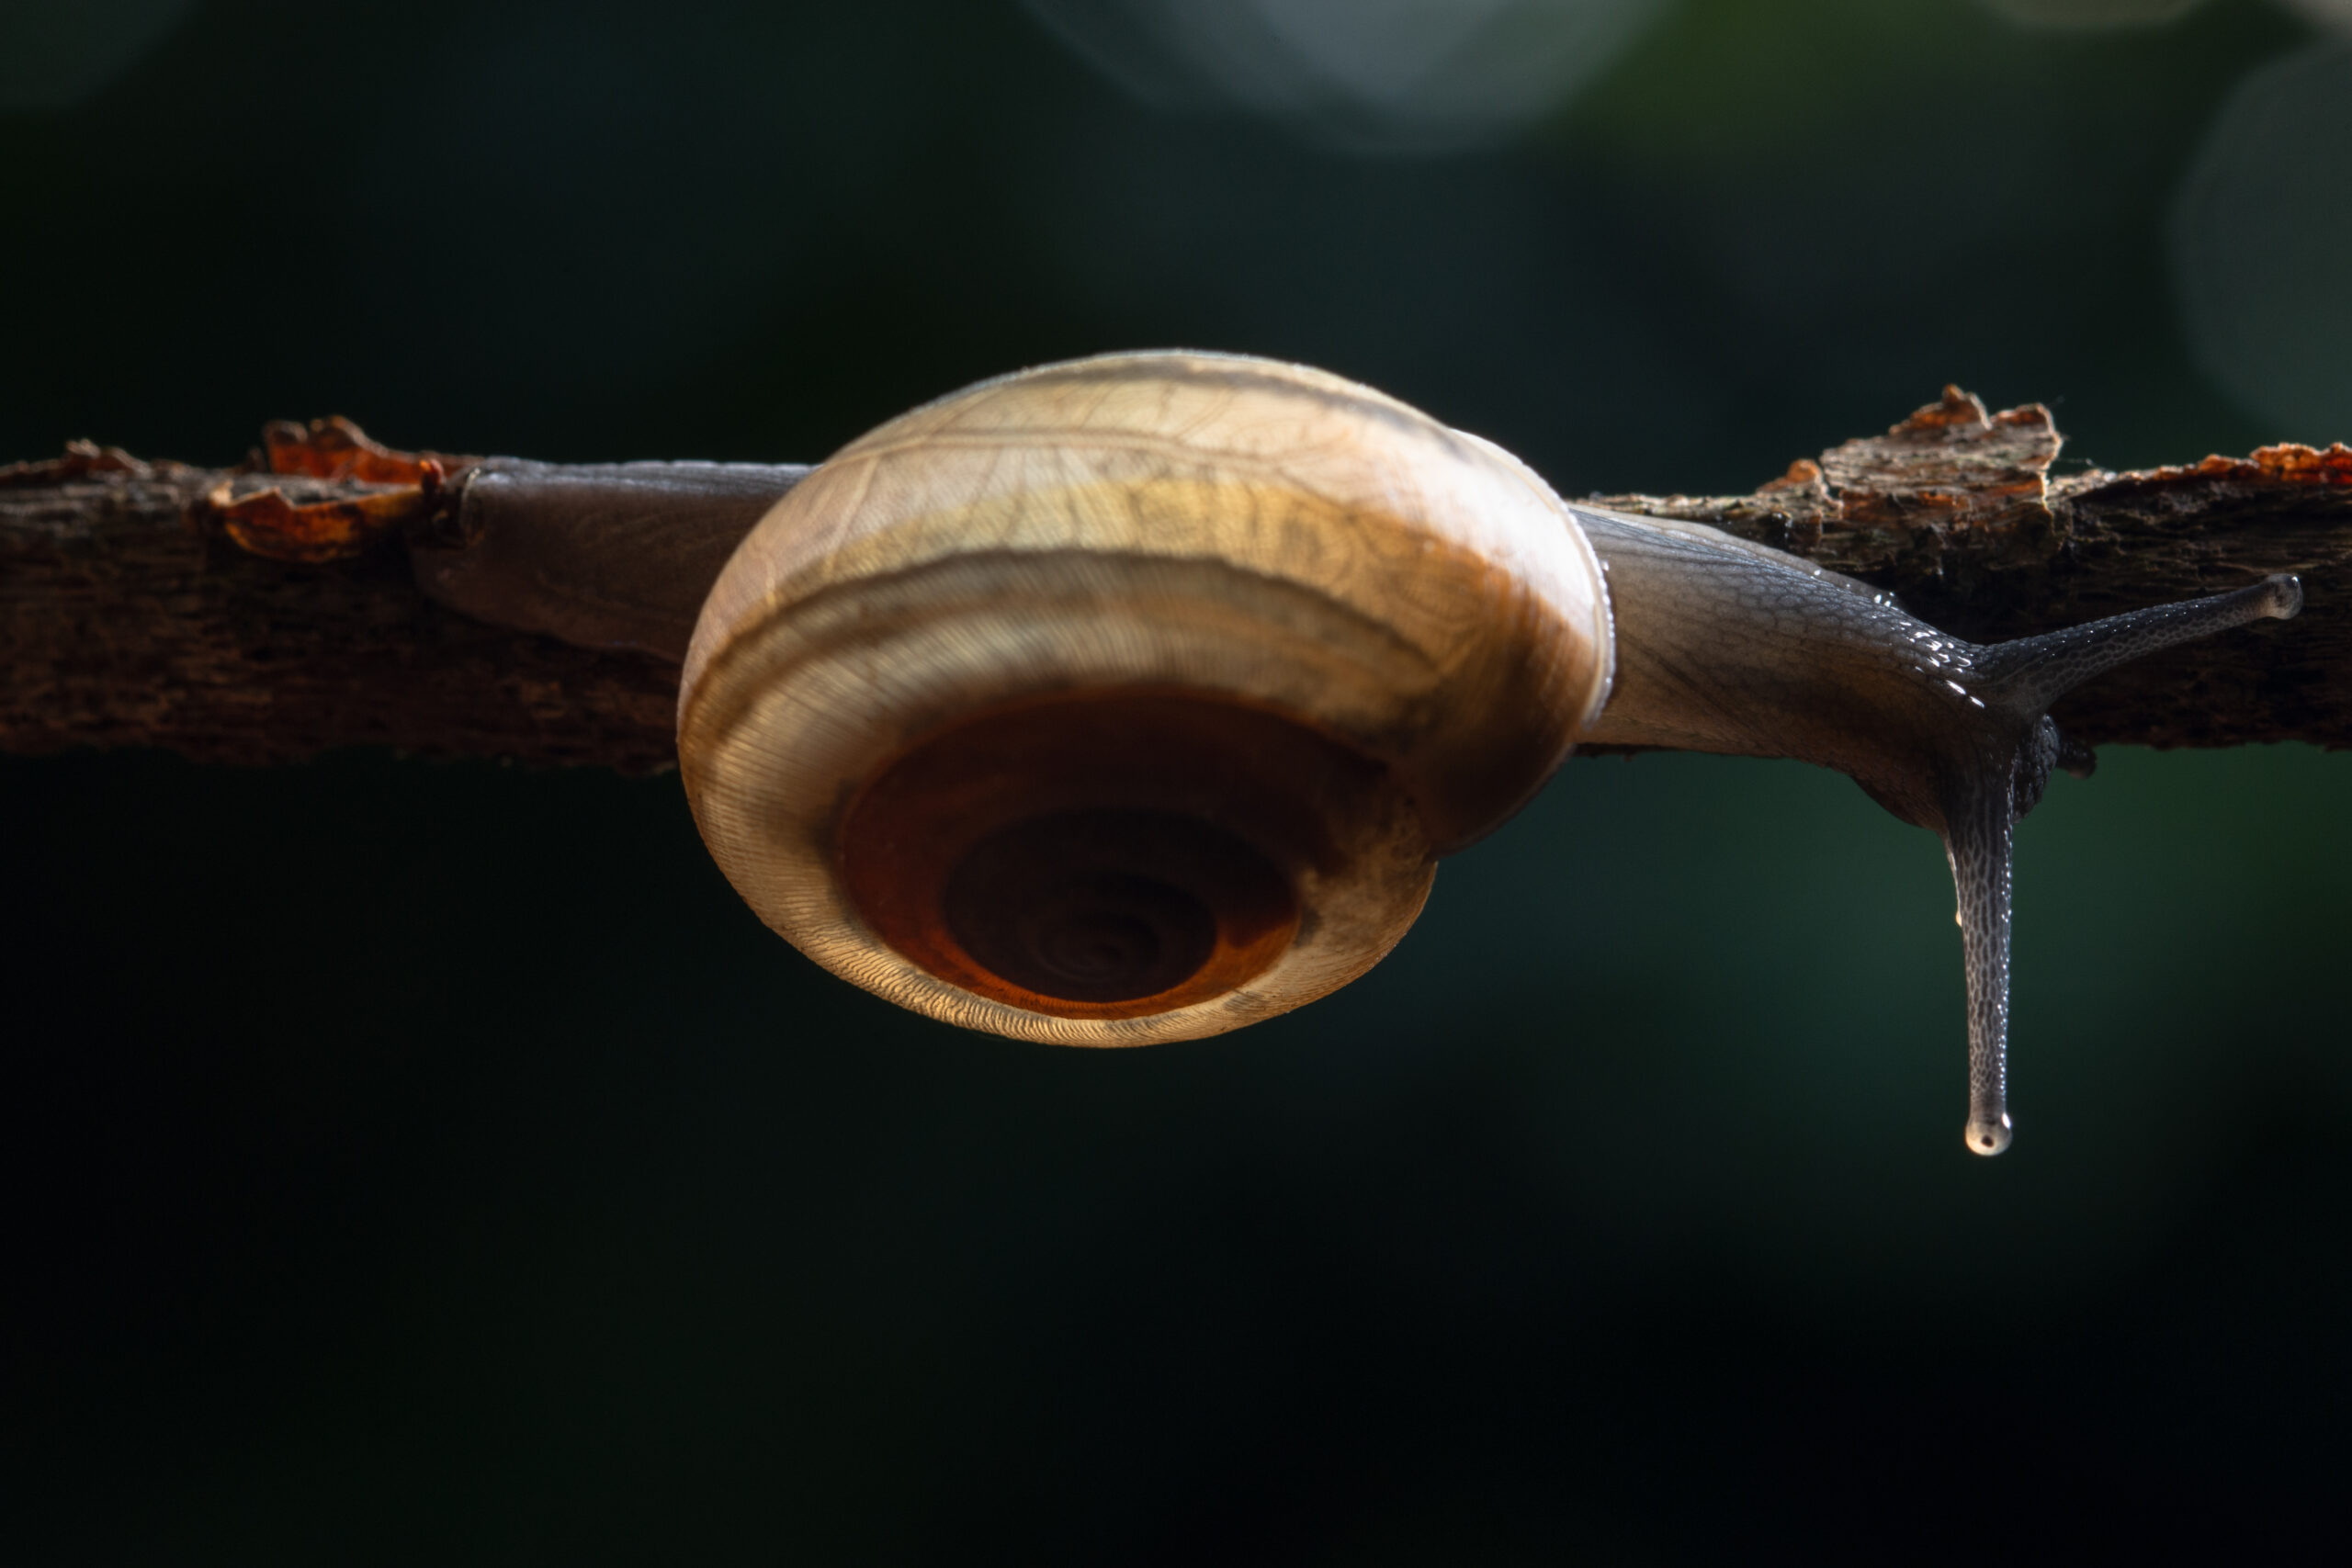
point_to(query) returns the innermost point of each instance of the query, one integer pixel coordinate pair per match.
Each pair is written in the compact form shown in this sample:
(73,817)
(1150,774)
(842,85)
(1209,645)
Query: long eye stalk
(2021,679)
(2032,672)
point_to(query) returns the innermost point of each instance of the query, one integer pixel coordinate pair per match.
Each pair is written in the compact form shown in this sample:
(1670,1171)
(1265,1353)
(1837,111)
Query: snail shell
(1133,699)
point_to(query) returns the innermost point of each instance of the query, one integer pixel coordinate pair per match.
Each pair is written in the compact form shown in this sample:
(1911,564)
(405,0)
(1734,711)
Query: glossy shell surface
(1165,534)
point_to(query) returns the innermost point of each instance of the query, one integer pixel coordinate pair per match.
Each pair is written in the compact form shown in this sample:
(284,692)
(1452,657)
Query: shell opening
(1102,856)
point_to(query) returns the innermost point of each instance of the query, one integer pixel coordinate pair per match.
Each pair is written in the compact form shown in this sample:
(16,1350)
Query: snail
(1136,698)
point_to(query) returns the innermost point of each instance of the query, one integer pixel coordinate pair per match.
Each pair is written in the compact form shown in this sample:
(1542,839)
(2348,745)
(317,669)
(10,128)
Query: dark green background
(405,1162)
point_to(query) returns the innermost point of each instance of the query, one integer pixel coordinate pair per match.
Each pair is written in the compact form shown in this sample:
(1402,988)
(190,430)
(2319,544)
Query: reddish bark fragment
(264,522)
(334,448)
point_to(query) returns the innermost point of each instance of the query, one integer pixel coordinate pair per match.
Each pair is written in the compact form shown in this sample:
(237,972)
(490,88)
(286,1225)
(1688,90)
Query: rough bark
(123,625)
(125,622)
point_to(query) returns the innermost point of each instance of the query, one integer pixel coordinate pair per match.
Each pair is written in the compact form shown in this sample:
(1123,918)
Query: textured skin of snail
(1133,699)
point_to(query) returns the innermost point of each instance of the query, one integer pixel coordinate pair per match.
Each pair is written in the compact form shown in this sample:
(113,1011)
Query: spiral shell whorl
(1190,558)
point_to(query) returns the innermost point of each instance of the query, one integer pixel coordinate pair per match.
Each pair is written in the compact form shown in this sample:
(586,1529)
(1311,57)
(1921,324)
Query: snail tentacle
(2029,674)
(1979,827)
(2023,677)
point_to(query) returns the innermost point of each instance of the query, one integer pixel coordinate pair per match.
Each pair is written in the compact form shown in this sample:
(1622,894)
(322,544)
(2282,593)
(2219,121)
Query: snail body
(1136,698)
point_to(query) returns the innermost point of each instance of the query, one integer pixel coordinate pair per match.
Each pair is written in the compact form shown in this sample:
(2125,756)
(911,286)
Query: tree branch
(124,624)
(127,619)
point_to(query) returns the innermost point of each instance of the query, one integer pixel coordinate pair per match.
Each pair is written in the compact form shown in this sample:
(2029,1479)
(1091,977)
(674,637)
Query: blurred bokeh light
(2091,15)
(1393,74)
(2329,13)
(2261,241)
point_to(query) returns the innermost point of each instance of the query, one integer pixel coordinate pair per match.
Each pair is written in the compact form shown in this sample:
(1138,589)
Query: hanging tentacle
(1978,833)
